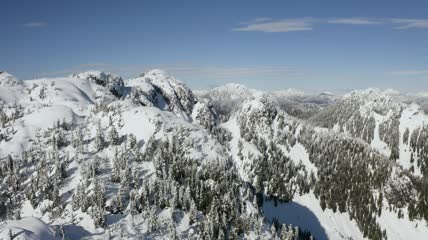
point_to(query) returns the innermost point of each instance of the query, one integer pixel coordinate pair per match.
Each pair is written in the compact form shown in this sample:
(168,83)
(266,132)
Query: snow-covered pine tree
(172,230)
(113,136)
(11,235)
(116,169)
(99,137)
(193,211)
(153,220)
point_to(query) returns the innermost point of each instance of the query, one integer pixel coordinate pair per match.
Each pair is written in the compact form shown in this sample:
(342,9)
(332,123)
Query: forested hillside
(97,156)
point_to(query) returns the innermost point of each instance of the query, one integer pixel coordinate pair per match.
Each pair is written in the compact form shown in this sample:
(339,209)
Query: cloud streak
(354,21)
(410,72)
(229,72)
(185,71)
(272,26)
(410,23)
(307,24)
(77,69)
(34,24)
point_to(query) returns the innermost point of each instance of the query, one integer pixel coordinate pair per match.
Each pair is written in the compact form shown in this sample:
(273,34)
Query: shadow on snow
(295,214)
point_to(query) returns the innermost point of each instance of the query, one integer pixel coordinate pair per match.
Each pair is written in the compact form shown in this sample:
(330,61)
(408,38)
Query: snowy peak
(231,91)
(261,108)
(10,88)
(260,103)
(228,98)
(372,94)
(373,100)
(322,98)
(160,89)
(164,81)
(7,79)
(369,93)
(112,82)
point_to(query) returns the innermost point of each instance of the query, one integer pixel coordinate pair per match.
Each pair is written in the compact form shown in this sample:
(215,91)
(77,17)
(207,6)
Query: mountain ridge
(148,151)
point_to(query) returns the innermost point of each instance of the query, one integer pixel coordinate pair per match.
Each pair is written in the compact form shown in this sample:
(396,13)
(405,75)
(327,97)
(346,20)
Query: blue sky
(268,45)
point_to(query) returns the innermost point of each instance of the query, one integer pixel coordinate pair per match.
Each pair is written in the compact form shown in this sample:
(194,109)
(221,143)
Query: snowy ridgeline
(95,156)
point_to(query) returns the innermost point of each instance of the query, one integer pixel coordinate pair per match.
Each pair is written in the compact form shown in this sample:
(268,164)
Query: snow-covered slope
(231,91)
(113,83)
(10,87)
(95,156)
(80,153)
(384,119)
(158,88)
(30,228)
(258,123)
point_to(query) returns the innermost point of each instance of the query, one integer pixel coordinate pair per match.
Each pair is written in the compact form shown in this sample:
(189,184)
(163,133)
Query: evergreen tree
(99,138)
(153,219)
(113,136)
(10,234)
(172,229)
(192,212)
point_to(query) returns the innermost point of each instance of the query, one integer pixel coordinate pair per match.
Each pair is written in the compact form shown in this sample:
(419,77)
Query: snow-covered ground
(412,117)
(29,228)
(157,106)
(305,211)
(377,143)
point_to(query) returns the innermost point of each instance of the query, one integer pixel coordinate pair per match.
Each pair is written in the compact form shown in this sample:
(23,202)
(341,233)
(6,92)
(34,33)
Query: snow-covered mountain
(157,88)
(96,156)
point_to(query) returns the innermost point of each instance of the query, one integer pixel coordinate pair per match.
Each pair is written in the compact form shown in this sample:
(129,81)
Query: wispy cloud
(355,21)
(34,24)
(77,68)
(410,72)
(275,26)
(214,71)
(262,19)
(185,71)
(305,24)
(410,23)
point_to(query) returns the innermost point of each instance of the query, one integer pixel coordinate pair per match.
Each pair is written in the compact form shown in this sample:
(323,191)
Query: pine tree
(11,235)
(42,92)
(273,231)
(296,232)
(138,156)
(153,219)
(98,216)
(290,231)
(221,235)
(284,232)
(173,230)
(62,232)
(132,141)
(133,209)
(99,193)
(56,200)
(60,138)
(192,212)
(113,136)
(115,172)
(99,138)
(99,204)
(79,140)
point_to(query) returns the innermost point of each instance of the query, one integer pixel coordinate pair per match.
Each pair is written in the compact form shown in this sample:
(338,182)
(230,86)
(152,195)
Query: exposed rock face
(111,82)
(158,88)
